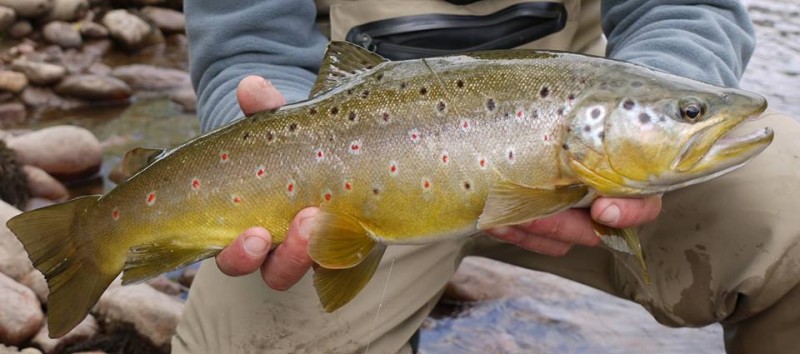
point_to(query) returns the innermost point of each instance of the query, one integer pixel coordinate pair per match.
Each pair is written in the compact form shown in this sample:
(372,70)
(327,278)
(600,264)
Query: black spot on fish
(565,146)
(587,128)
(534,114)
(379,77)
(490,105)
(596,113)
(569,129)
(334,111)
(376,191)
(511,155)
(403,85)
(662,119)
(637,84)
(460,83)
(644,118)
(467,185)
(365,94)
(544,92)
(628,104)
(349,91)
(270,135)
(560,111)
(601,135)
(571,97)
(312,111)
(441,106)
(369,67)
(423,91)
(292,127)
(246,135)
(385,116)
(352,116)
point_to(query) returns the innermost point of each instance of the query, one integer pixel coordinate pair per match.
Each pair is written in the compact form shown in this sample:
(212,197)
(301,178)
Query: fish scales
(397,153)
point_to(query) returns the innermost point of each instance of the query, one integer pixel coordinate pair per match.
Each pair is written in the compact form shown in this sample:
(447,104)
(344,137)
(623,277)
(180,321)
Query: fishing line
(380,305)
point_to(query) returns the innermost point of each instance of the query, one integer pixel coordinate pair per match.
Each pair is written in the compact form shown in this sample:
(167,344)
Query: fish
(397,152)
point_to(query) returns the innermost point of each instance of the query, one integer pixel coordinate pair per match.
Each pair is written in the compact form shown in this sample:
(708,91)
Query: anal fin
(336,287)
(625,241)
(509,203)
(339,241)
(149,260)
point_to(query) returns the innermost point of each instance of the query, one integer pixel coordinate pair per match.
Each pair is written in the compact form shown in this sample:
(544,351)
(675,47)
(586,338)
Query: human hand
(288,263)
(556,234)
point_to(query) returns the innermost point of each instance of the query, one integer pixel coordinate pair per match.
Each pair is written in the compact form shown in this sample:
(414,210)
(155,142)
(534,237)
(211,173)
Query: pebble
(43,185)
(92,30)
(63,34)
(39,73)
(44,97)
(154,315)
(14,261)
(130,31)
(20,29)
(88,328)
(22,314)
(149,77)
(12,113)
(7,18)
(12,81)
(67,10)
(45,149)
(167,20)
(35,281)
(94,87)
(28,8)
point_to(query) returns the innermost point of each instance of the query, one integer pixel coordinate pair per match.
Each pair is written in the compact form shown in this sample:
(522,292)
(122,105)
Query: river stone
(14,261)
(154,315)
(131,31)
(43,185)
(167,20)
(39,73)
(92,30)
(22,315)
(35,281)
(94,87)
(20,29)
(37,203)
(44,97)
(148,77)
(166,285)
(30,350)
(67,10)
(88,328)
(12,113)
(185,97)
(63,34)
(7,18)
(28,8)
(63,151)
(12,81)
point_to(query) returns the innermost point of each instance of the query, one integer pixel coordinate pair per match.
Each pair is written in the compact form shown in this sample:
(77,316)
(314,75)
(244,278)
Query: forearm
(711,42)
(276,39)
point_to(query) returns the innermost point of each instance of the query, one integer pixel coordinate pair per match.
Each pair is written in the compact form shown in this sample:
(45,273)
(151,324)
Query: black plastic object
(411,37)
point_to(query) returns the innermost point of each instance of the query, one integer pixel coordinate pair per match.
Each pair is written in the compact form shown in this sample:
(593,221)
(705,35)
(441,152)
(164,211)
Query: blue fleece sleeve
(276,39)
(710,41)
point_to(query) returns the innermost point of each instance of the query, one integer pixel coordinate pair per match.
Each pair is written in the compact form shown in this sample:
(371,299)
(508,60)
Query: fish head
(651,133)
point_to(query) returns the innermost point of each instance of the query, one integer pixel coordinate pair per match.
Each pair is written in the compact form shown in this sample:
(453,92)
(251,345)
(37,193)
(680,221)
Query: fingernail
(304,227)
(610,214)
(255,245)
(501,230)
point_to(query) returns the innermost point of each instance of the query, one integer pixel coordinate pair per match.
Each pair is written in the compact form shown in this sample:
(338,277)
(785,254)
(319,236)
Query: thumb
(256,94)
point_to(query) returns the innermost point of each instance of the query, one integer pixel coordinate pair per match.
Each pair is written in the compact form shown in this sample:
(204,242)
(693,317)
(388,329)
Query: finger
(246,253)
(626,212)
(290,261)
(572,226)
(256,94)
(539,244)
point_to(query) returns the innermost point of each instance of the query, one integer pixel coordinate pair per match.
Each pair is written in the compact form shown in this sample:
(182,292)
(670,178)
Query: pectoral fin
(336,287)
(625,241)
(509,203)
(339,241)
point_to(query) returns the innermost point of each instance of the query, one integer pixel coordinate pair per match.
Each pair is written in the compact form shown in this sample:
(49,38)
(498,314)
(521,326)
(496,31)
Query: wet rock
(20,29)
(6,96)
(30,351)
(8,350)
(187,276)
(94,87)
(166,285)
(131,31)
(148,77)
(186,98)
(98,69)
(44,97)
(88,328)
(77,61)
(14,260)
(97,48)
(39,73)
(63,34)
(12,113)
(92,30)
(22,314)
(477,280)
(167,20)
(28,8)
(7,18)
(43,185)
(67,10)
(12,81)
(35,281)
(45,149)
(154,315)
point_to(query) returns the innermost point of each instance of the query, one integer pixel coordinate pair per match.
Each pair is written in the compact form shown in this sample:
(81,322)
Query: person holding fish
(723,251)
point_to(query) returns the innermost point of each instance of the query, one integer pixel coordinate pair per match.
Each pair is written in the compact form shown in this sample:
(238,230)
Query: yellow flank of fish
(396,153)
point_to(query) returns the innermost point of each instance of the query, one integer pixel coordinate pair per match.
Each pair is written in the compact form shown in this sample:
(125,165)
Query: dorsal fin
(342,61)
(133,162)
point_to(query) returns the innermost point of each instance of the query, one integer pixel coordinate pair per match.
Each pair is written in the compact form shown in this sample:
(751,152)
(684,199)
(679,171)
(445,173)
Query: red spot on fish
(414,135)
(236,199)
(520,114)
(290,188)
(348,186)
(195,183)
(115,214)
(445,157)
(328,197)
(260,172)
(426,184)
(224,156)
(546,137)
(355,147)
(393,168)
(319,154)
(151,198)
(482,163)
(465,125)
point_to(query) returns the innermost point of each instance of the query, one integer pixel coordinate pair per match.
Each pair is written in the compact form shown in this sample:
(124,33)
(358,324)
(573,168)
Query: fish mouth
(721,148)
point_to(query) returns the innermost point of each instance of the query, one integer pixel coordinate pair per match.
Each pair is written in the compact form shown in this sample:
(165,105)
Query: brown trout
(397,153)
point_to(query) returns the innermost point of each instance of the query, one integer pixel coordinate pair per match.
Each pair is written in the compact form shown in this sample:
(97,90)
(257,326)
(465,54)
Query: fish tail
(59,247)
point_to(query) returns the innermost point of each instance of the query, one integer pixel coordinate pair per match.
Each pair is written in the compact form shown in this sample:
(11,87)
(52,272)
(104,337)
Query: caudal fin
(65,254)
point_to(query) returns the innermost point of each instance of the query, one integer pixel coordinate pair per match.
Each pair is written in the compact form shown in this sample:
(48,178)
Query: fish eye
(692,109)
